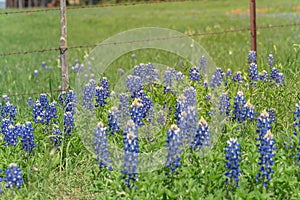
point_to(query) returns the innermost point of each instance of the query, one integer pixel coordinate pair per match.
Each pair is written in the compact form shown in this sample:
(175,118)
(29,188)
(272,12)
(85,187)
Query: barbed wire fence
(59,49)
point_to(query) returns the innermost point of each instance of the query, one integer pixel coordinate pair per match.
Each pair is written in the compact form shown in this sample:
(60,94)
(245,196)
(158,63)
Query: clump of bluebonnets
(13,177)
(266,150)
(233,158)
(238,106)
(202,136)
(174,144)
(130,156)
(102,92)
(251,57)
(101,146)
(224,106)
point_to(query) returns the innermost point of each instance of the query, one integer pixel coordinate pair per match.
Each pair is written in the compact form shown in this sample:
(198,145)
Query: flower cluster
(88,95)
(68,101)
(276,76)
(233,158)
(102,92)
(194,74)
(202,66)
(248,111)
(263,124)
(68,123)
(130,156)
(101,146)
(28,137)
(266,150)
(239,103)
(146,72)
(190,94)
(251,57)
(9,111)
(253,72)
(202,136)
(224,106)
(263,76)
(237,77)
(134,85)
(13,177)
(42,111)
(217,78)
(271,60)
(174,144)
(114,120)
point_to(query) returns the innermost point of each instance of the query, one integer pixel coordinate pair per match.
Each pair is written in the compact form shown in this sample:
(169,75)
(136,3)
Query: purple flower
(270,60)
(194,74)
(253,72)
(263,124)
(239,103)
(28,137)
(13,177)
(233,158)
(224,106)
(202,136)
(174,144)
(252,57)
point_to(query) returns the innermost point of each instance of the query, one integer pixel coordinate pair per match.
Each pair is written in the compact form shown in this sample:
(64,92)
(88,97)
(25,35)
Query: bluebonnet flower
(280,79)
(264,123)
(174,144)
(68,101)
(188,124)
(137,112)
(114,120)
(121,72)
(44,100)
(133,56)
(237,77)
(50,112)
(203,64)
(10,132)
(202,136)
(38,112)
(181,105)
(44,65)
(217,78)
(9,111)
(35,72)
(28,137)
(30,103)
(276,76)
(253,72)
(207,97)
(228,76)
(272,115)
(101,96)
(233,158)
(56,135)
(194,74)
(251,57)
(263,76)
(5,98)
(205,83)
(239,103)
(88,95)
(101,146)
(161,118)
(13,176)
(297,119)
(134,85)
(266,150)
(180,63)
(271,60)
(179,76)
(68,123)
(124,108)
(248,111)
(146,72)
(168,78)
(130,156)
(224,106)
(190,94)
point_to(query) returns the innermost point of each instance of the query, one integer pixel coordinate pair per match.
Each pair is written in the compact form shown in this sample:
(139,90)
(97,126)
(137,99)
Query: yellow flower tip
(203,122)
(240,93)
(11,126)
(130,123)
(130,136)
(175,128)
(269,135)
(264,114)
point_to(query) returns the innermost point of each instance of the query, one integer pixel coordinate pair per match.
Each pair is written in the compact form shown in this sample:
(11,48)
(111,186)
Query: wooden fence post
(63,46)
(253,25)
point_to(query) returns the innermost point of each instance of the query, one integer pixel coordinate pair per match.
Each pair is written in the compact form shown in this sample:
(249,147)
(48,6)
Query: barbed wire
(91,7)
(148,40)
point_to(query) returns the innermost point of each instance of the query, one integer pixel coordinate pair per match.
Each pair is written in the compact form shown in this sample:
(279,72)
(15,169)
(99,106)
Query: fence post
(63,46)
(253,25)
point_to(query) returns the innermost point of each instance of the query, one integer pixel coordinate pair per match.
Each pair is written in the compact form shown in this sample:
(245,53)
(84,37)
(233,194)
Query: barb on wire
(147,40)
(91,7)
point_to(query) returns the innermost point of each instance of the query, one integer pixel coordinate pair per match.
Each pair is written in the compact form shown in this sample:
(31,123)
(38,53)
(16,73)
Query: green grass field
(73,172)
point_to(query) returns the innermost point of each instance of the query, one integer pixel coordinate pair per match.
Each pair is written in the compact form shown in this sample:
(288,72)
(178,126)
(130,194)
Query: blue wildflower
(272,115)
(68,123)
(263,76)
(253,72)
(190,95)
(203,64)
(68,101)
(174,144)
(248,111)
(270,60)
(194,74)
(239,103)
(251,57)
(30,103)
(188,124)
(134,85)
(124,108)
(202,136)
(13,177)
(181,105)
(233,158)
(217,78)
(146,72)
(266,150)
(114,120)
(264,123)
(130,156)
(28,137)
(56,135)
(10,132)
(88,95)
(9,111)
(224,106)
(101,96)
(101,146)
(237,77)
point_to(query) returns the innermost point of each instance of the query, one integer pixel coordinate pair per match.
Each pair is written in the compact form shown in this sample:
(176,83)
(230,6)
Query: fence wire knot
(62,50)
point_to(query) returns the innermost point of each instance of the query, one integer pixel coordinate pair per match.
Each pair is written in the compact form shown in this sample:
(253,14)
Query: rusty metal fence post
(253,25)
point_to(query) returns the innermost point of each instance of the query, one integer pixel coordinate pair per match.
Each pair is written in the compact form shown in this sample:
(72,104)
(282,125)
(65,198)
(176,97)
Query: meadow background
(74,173)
